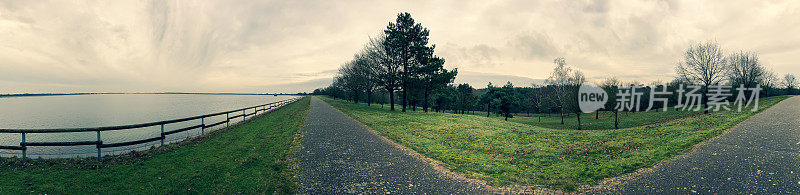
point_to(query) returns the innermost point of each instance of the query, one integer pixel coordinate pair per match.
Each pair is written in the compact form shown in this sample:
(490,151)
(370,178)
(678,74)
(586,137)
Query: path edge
(296,148)
(461,176)
(608,184)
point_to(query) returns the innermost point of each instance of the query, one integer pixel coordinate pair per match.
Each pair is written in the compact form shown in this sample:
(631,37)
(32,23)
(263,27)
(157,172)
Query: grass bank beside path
(252,157)
(504,152)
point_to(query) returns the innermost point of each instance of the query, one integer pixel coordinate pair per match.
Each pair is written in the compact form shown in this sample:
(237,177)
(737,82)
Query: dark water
(75,111)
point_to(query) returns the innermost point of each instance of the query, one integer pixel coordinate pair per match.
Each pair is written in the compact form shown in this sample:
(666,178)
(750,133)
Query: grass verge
(504,152)
(252,157)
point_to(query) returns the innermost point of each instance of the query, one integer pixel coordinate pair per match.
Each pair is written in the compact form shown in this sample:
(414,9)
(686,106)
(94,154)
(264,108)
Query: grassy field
(504,152)
(250,158)
(605,119)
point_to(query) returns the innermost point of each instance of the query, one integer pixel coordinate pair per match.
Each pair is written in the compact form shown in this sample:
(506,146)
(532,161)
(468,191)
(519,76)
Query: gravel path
(340,155)
(760,156)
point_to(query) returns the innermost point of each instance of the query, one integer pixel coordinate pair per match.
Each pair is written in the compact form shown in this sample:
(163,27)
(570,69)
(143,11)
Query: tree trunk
(355,97)
(405,88)
(404,99)
(488,109)
(597,115)
(425,105)
(391,99)
(369,98)
(705,100)
(562,116)
(616,119)
(579,120)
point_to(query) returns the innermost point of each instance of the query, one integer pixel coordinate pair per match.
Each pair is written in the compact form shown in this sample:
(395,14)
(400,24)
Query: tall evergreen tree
(465,96)
(431,75)
(508,99)
(405,39)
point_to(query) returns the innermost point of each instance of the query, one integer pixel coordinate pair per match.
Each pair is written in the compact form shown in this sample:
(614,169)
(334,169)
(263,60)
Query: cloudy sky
(290,46)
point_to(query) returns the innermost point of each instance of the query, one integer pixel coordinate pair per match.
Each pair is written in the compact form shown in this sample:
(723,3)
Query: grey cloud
(63,46)
(534,46)
(480,55)
(595,6)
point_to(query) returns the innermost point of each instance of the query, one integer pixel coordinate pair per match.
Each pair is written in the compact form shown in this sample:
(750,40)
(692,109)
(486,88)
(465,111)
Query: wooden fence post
(162,135)
(24,148)
(99,153)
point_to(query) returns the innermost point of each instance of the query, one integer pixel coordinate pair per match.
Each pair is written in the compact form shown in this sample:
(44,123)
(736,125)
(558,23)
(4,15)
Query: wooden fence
(23,145)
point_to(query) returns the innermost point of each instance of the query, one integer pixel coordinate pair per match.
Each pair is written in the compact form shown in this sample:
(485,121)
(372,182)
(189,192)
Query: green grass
(504,152)
(253,157)
(605,119)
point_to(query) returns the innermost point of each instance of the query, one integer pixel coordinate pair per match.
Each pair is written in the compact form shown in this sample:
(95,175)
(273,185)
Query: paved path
(339,155)
(760,156)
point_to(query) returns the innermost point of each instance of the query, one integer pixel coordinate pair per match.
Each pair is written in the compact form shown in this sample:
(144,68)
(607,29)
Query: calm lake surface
(75,111)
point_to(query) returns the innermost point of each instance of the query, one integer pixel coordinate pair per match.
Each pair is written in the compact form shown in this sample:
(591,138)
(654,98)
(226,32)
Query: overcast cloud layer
(291,46)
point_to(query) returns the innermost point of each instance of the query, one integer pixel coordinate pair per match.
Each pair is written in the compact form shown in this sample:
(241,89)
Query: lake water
(75,111)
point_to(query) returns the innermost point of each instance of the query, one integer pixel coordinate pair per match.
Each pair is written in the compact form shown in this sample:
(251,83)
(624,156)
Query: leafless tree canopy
(745,69)
(562,78)
(790,81)
(703,63)
(611,81)
(386,70)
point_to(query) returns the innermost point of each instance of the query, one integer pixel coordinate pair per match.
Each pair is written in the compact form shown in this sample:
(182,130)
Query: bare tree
(563,79)
(538,95)
(744,69)
(790,82)
(703,64)
(612,81)
(351,80)
(387,71)
(611,85)
(769,82)
(366,69)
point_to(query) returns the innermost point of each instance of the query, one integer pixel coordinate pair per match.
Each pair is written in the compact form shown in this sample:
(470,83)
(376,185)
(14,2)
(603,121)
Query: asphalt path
(759,156)
(340,155)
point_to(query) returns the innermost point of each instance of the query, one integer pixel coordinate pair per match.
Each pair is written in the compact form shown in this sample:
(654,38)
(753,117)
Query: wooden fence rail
(23,145)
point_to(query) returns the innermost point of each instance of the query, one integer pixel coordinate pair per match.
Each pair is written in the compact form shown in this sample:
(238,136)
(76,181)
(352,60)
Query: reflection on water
(74,111)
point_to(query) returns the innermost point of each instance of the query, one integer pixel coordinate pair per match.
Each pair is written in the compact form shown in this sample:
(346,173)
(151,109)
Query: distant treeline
(401,60)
